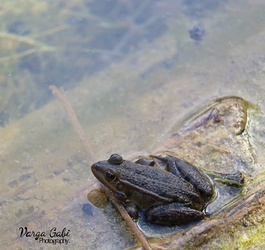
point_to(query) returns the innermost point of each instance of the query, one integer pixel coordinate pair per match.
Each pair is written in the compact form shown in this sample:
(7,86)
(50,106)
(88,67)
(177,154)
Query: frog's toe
(132,210)
(173,214)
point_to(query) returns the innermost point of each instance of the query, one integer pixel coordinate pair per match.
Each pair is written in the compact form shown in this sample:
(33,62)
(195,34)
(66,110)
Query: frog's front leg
(172,214)
(132,210)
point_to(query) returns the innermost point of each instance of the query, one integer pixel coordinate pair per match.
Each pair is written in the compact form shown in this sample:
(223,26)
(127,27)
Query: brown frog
(173,197)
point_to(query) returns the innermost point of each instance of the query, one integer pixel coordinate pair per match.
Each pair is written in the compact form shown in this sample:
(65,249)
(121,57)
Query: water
(131,72)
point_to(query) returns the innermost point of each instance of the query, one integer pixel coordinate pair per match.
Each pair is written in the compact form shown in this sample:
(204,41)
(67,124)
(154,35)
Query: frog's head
(108,173)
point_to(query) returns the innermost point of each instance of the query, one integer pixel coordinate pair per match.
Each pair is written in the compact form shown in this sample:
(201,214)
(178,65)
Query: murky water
(132,72)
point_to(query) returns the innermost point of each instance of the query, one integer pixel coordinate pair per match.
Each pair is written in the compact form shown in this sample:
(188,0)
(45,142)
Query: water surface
(132,72)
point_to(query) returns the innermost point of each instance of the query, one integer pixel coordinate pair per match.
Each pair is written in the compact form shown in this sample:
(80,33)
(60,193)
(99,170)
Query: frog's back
(159,182)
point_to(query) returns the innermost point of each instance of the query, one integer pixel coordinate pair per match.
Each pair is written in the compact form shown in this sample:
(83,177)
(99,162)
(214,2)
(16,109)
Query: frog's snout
(99,167)
(95,168)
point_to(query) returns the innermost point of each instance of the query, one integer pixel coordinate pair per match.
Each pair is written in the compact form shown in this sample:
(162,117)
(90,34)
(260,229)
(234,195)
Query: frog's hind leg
(173,214)
(145,161)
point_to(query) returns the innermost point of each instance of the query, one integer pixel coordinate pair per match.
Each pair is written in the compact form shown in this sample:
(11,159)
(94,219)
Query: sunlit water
(132,71)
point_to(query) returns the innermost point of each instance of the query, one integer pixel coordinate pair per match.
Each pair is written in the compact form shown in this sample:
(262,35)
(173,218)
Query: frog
(175,195)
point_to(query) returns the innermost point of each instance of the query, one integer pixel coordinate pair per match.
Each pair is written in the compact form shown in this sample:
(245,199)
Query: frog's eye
(115,159)
(110,175)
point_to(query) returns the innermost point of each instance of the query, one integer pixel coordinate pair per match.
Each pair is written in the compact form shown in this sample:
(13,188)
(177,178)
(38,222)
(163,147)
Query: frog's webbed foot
(172,214)
(235,179)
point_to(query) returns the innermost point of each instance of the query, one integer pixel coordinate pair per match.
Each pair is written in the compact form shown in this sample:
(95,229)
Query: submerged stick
(81,134)
(74,121)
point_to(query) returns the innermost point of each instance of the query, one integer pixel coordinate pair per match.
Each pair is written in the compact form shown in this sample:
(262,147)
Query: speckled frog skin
(174,196)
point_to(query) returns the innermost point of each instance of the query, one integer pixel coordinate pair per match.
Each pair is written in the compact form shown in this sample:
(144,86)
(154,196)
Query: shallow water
(132,74)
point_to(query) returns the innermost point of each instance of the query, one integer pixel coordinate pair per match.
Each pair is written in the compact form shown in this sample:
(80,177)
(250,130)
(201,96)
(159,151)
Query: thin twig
(26,53)
(131,224)
(22,39)
(52,31)
(74,121)
(76,125)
